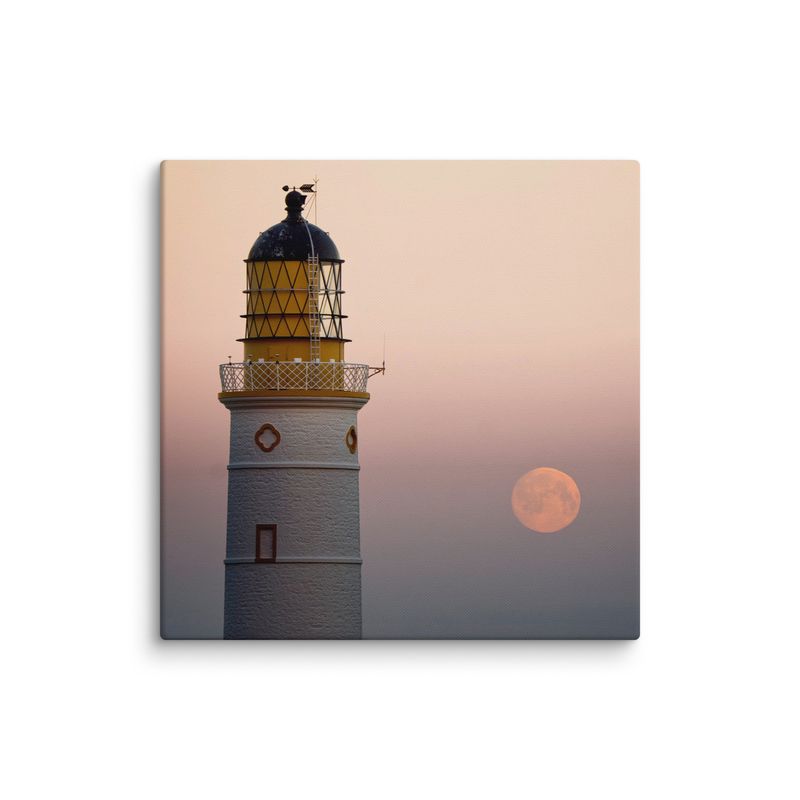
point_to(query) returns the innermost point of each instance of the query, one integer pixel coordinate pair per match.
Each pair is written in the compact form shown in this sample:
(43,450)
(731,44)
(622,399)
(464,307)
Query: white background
(704,95)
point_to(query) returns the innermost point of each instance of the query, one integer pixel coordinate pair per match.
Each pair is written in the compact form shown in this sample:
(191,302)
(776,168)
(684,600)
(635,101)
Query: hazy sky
(508,293)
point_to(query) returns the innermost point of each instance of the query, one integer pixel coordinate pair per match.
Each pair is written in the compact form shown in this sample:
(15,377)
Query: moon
(546,500)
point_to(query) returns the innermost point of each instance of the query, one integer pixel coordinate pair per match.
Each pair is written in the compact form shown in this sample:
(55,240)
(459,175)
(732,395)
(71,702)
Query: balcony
(276,376)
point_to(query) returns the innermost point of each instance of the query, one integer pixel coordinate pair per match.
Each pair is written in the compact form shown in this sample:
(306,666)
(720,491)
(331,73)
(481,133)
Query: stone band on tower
(293,556)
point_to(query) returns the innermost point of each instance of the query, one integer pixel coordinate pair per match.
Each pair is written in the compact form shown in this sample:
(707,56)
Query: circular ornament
(264,441)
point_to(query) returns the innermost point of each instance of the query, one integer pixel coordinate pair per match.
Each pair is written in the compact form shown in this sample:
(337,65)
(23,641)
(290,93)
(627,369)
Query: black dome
(289,240)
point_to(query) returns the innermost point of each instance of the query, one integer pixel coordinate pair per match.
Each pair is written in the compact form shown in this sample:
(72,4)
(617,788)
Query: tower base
(293,600)
(293,558)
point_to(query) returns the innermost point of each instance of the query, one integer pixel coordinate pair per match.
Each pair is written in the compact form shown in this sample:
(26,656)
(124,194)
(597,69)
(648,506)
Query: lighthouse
(293,555)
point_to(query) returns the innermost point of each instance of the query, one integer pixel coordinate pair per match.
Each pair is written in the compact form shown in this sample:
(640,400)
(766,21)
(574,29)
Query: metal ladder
(313,306)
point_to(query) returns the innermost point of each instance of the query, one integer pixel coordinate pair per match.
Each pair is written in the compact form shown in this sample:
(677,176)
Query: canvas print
(400,399)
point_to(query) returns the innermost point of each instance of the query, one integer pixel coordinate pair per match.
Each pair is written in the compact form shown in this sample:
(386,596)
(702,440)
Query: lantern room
(294,292)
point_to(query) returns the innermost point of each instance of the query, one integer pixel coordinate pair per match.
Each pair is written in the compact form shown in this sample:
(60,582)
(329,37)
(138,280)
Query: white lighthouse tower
(293,556)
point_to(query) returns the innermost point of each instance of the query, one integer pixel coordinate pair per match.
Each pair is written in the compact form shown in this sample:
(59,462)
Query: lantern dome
(289,240)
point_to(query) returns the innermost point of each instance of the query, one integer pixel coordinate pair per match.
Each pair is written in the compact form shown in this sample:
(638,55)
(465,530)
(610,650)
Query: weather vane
(310,188)
(306,187)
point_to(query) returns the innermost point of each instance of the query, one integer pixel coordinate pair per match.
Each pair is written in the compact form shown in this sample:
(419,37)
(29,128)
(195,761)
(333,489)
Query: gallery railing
(336,376)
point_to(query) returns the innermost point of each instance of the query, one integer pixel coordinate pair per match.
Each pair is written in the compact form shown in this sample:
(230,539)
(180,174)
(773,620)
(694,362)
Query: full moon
(546,500)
